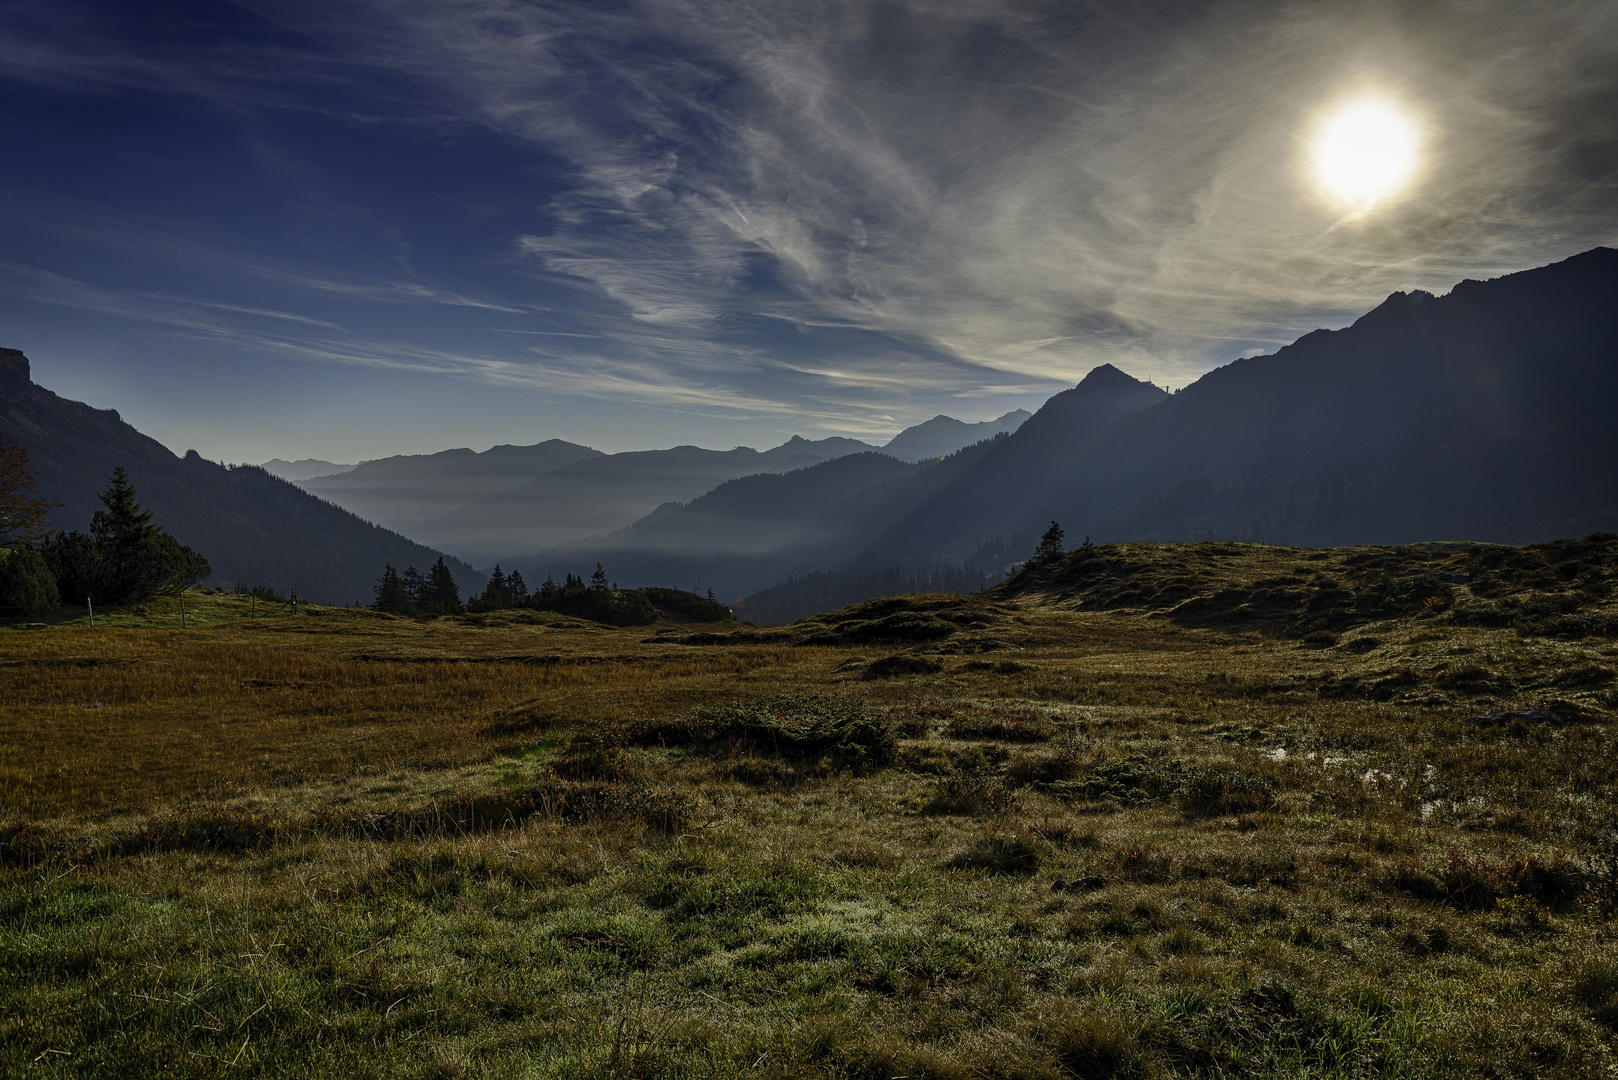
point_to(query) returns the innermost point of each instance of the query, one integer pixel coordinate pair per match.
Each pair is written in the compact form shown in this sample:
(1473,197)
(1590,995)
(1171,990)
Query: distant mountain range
(303,468)
(251,526)
(1485,415)
(1481,415)
(513,499)
(943,435)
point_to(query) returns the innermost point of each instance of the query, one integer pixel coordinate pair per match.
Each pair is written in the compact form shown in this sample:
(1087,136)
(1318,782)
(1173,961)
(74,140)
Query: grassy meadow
(1149,811)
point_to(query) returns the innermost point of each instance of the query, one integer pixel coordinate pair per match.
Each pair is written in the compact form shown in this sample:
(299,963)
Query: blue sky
(349,229)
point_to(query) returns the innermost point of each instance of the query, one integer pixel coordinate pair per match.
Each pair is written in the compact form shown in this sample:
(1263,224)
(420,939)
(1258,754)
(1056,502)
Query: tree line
(124,558)
(597,599)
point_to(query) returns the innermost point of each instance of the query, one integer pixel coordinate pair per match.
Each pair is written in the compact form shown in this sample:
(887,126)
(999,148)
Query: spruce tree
(126,558)
(391,595)
(1050,545)
(497,593)
(598,580)
(443,595)
(415,587)
(516,590)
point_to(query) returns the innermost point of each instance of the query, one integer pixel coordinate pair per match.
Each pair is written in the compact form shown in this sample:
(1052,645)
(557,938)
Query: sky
(349,229)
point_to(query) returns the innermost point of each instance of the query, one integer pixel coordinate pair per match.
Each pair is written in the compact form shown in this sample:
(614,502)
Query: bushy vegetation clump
(27,586)
(124,559)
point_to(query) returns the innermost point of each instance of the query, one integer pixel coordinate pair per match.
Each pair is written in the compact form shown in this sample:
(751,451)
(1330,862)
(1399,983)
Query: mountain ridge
(250,525)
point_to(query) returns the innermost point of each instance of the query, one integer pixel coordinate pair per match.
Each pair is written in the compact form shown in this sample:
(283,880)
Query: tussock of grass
(837,730)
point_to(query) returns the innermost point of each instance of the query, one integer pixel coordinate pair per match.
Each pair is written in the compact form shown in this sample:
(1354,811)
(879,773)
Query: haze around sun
(1365,152)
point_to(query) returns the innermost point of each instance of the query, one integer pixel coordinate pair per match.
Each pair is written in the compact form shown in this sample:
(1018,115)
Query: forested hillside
(251,526)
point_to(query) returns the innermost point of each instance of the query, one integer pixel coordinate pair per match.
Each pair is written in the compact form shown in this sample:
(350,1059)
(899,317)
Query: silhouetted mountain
(1484,414)
(523,498)
(250,525)
(1481,415)
(303,468)
(943,435)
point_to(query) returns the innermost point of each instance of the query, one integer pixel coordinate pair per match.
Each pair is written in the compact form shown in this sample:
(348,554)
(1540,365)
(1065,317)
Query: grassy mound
(1560,589)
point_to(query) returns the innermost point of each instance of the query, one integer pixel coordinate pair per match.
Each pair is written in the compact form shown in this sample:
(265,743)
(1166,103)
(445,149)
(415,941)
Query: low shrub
(1472,883)
(228,830)
(594,757)
(969,793)
(893,667)
(1135,779)
(900,626)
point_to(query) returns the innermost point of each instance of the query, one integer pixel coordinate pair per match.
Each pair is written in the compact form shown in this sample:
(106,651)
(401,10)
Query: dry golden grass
(1107,845)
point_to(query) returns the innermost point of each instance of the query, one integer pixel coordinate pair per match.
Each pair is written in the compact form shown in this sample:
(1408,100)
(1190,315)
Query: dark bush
(219,829)
(687,605)
(900,626)
(26,584)
(893,667)
(594,757)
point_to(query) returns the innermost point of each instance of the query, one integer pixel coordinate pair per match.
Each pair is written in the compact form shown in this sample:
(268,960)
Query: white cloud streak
(971,178)
(1006,193)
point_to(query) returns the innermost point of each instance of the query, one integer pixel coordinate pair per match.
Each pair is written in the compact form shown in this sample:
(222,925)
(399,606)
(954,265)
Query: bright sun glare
(1364,152)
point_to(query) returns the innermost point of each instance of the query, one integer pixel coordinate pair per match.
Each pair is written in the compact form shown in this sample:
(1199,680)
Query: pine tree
(1050,545)
(598,580)
(415,587)
(516,590)
(391,594)
(126,558)
(443,595)
(497,593)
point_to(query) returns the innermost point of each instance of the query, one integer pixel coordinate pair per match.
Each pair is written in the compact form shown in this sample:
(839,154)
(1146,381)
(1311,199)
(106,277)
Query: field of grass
(1212,810)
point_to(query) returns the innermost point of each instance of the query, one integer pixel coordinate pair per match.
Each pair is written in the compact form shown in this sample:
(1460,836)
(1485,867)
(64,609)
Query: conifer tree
(415,587)
(391,595)
(496,594)
(516,590)
(443,595)
(598,580)
(125,558)
(1050,545)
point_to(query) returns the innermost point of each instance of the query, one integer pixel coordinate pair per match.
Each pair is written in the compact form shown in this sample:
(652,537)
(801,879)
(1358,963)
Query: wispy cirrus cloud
(844,213)
(1032,189)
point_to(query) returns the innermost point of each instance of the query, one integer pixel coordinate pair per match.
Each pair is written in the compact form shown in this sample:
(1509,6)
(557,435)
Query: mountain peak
(1107,377)
(13,370)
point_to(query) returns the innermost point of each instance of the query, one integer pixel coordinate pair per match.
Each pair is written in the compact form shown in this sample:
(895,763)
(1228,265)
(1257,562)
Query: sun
(1365,152)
